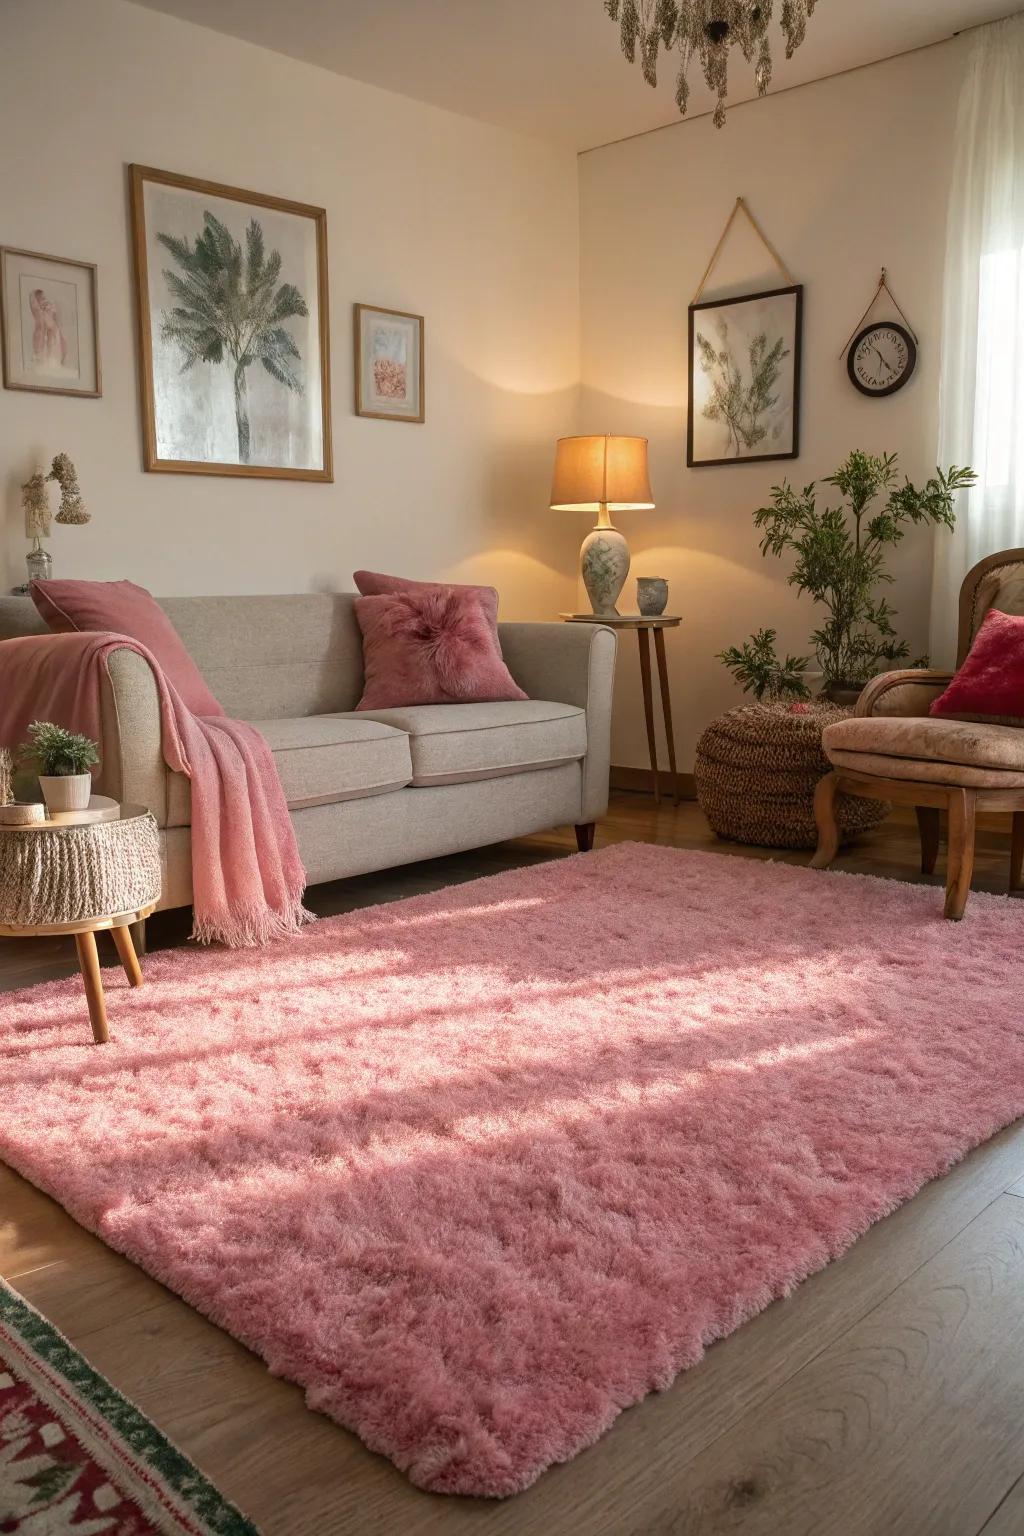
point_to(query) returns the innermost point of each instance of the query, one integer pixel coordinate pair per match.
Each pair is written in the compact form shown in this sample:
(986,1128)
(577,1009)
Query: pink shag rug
(482,1168)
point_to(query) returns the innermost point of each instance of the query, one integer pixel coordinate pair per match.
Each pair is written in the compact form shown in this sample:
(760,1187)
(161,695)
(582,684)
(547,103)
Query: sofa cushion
(454,742)
(939,751)
(321,759)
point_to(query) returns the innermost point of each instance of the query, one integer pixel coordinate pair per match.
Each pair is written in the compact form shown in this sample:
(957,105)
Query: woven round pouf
(64,877)
(757,769)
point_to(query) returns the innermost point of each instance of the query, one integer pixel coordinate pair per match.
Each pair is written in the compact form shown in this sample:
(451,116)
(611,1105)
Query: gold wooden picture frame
(390,365)
(223,395)
(49,324)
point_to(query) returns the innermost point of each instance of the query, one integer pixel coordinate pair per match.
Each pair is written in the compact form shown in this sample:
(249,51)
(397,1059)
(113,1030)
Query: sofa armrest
(132,767)
(907,693)
(571,664)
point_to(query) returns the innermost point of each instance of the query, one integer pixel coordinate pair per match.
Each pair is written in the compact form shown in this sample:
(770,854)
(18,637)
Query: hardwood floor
(882,1399)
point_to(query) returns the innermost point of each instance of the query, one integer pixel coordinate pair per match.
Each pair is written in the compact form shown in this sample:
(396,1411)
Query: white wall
(845,175)
(426,211)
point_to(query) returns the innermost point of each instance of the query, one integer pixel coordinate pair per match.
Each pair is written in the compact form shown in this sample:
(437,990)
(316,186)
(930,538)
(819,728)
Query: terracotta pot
(66,792)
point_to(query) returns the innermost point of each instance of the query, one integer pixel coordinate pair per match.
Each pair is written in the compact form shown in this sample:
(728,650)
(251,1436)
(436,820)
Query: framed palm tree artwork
(233,330)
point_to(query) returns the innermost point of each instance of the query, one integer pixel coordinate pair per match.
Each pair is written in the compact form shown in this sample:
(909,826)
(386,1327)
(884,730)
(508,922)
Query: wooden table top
(626,620)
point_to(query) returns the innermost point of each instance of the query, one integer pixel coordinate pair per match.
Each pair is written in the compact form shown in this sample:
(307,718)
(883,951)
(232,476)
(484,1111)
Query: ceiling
(552,68)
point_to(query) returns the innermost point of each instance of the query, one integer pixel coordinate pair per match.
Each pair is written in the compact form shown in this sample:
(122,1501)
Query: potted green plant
(62,760)
(839,560)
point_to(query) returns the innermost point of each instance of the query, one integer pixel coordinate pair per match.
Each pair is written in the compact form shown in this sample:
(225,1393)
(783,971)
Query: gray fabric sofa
(366,791)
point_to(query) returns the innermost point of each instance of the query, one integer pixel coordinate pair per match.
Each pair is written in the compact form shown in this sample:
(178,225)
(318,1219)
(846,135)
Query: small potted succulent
(62,760)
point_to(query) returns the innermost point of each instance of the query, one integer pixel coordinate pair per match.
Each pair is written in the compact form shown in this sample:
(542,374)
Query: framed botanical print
(233,330)
(745,378)
(390,377)
(49,323)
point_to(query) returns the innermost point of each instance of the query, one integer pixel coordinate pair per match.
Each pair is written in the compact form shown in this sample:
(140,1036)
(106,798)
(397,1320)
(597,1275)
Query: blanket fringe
(252,926)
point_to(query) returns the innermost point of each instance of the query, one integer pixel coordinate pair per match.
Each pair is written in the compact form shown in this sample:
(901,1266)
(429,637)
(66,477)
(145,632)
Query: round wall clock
(881,358)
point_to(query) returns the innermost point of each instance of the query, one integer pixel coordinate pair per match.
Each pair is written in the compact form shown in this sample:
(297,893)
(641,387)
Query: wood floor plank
(1008,1518)
(298,1474)
(869,1437)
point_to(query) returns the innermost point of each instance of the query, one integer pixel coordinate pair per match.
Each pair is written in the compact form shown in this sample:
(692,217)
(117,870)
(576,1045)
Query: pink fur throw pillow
(122,608)
(989,686)
(432,646)
(373,584)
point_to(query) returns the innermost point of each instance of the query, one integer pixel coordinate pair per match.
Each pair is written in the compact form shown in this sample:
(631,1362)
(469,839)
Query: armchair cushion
(941,751)
(989,686)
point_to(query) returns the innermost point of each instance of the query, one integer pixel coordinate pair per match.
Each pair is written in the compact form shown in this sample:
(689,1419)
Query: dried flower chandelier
(707,29)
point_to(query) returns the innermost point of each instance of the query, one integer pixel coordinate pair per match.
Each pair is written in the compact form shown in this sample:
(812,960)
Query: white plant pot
(66,792)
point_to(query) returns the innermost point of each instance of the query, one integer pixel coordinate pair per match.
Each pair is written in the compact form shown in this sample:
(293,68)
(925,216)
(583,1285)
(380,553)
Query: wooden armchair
(893,750)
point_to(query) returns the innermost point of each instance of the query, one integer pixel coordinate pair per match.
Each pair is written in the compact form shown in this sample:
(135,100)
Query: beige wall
(473,227)
(844,175)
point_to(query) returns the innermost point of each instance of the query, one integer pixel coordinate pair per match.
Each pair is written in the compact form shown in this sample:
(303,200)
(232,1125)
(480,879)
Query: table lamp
(603,475)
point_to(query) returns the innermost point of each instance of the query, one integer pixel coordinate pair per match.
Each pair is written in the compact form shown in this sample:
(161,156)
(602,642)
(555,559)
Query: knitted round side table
(80,878)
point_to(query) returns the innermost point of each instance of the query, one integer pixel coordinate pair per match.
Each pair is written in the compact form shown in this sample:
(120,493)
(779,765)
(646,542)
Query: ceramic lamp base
(604,561)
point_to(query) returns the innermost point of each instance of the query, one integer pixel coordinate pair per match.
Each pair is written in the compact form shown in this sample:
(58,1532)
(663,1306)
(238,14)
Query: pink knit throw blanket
(247,877)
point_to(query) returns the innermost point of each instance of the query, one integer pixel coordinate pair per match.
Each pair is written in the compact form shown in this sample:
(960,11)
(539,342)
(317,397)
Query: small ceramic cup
(651,595)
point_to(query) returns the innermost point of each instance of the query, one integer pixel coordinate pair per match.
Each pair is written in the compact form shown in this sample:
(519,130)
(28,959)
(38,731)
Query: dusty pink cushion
(432,646)
(122,608)
(374,584)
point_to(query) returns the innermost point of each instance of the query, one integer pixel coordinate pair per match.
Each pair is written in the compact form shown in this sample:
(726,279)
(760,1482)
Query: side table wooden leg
(89,962)
(129,959)
(666,710)
(643,637)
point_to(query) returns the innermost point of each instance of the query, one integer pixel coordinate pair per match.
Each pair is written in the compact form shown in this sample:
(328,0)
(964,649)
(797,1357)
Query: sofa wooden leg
(585,835)
(960,858)
(826,820)
(1017,852)
(928,826)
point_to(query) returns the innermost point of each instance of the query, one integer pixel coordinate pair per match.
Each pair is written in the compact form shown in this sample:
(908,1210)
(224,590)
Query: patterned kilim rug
(77,1457)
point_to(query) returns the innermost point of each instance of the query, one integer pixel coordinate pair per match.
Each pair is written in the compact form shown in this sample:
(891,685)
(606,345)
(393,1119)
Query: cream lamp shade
(591,472)
(603,475)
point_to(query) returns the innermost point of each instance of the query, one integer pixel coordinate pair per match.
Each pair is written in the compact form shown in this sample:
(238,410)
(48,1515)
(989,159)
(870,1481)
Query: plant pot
(843,693)
(651,595)
(66,792)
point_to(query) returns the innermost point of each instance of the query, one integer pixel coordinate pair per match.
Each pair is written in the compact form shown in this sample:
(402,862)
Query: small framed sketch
(745,378)
(233,330)
(389,364)
(49,323)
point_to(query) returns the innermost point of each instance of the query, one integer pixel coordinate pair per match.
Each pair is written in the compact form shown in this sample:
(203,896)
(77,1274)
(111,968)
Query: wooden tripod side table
(645,626)
(79,878)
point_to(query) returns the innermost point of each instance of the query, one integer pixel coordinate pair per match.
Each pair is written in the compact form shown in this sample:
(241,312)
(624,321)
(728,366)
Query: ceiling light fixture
(707,29)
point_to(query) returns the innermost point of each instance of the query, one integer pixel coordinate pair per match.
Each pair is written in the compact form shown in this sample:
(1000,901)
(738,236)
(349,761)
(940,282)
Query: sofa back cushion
(274,658)
(264,658)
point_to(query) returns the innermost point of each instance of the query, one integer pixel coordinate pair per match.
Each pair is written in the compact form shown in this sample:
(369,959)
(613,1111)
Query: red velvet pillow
(373,584)
(432,646)
(122,608)
(990,683)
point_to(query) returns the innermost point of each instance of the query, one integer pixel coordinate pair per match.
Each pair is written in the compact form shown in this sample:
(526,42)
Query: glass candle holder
(39,563)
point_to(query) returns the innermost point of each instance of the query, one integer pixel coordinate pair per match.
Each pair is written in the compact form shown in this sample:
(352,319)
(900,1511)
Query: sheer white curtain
(982,402)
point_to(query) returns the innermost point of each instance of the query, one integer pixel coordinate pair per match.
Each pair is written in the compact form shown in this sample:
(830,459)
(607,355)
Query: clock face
(881,359)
